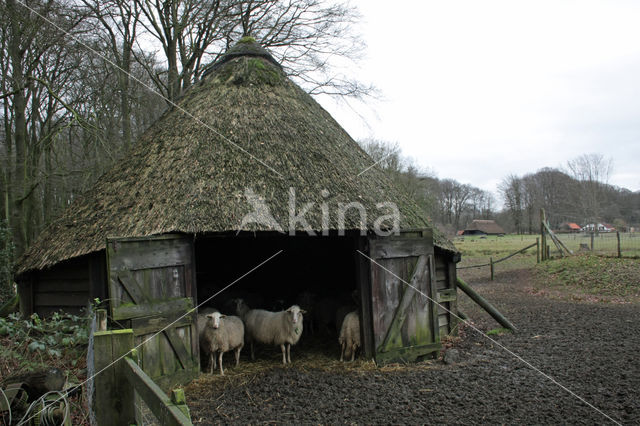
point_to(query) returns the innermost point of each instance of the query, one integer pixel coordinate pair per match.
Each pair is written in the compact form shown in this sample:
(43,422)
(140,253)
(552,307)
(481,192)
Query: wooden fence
(119,378)
(492,262)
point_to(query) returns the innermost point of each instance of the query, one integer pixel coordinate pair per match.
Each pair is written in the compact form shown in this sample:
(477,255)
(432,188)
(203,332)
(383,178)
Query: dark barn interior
(324,267)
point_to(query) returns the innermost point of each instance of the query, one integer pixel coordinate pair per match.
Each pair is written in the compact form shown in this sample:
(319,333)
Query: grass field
(599,273)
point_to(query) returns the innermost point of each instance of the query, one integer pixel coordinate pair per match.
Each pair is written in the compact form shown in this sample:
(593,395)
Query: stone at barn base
(451,356)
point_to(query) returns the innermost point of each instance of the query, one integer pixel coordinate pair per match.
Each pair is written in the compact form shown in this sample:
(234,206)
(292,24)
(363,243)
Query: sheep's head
(295,313)
(214,318)
(241,306)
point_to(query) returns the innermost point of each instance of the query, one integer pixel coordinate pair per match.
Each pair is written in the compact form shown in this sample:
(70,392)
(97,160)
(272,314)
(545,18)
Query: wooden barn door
(404,321)
(151,288)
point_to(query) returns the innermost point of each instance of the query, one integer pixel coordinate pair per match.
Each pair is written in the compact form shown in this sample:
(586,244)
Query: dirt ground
(590,349)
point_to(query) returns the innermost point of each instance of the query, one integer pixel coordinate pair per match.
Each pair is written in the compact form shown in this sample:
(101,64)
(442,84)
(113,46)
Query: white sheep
(349,339)
(282,328)
(221,334)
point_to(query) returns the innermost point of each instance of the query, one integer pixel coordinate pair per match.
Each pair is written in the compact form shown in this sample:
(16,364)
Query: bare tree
(592,172)
(304,35)
(119,20)
(512,194)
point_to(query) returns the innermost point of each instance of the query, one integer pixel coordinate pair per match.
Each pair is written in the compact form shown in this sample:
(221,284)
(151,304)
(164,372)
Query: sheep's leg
(284,354)
(220,362)
(353,352)
(238,349)
(289,352)
(343,345)
(212,362)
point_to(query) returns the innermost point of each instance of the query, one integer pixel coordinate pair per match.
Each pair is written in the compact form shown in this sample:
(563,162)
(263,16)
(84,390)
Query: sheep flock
(221,332)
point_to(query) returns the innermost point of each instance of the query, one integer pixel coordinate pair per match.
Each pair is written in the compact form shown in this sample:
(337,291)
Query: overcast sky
(476,90)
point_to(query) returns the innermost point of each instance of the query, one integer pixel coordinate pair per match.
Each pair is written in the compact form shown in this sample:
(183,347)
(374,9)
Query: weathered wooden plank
(387,289)
(74,269)
(150,353)
(98,276)
(433,294)
(447,295)
(113,402)
(453,304)
(61,299)
(130,311)
(133,255)
(179,346)
(393,248)
(443,320)
(363,278)
(393,338)
(62,285)
(146,325)
(166,411)
(407,354)
(136,290)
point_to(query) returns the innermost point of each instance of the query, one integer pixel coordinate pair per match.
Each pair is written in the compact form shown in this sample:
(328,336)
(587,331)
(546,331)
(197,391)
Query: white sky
(476,90)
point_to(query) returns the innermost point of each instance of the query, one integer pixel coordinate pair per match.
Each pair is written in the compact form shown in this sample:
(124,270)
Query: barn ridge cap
(246,46)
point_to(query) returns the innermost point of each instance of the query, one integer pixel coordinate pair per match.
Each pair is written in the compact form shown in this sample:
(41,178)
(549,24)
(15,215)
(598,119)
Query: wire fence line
(603,243)
(493,262)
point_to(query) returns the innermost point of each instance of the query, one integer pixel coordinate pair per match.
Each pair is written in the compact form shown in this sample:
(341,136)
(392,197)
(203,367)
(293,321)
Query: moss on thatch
(244,126)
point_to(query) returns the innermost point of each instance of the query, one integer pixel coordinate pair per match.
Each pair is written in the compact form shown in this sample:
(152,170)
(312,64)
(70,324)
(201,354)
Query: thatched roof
(489,227)
(244,126)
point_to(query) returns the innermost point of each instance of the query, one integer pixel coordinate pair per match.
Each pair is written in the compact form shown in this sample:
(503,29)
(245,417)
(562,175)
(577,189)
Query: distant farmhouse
(569,227)
(483,227)
(598,227)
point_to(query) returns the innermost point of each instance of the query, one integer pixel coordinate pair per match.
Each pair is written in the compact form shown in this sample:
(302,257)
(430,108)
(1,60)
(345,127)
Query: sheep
(202,317)
(282,328)
(349,339)
(341,313)
(202,322)
(221,334)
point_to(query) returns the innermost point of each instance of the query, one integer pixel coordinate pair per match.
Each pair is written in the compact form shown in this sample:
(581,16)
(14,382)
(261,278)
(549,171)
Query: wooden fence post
(619,248)
(538,250)
(113,401)
(543,237)
(592,238)
(491,267)
(485,305)
(101,315)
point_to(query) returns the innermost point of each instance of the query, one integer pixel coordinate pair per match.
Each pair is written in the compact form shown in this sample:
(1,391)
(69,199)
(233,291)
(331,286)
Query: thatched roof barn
(483,227)
(243,138)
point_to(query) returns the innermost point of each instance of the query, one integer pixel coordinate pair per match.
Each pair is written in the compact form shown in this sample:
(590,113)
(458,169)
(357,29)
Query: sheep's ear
(222,316)
(209,315)
(290,309)
(302,311)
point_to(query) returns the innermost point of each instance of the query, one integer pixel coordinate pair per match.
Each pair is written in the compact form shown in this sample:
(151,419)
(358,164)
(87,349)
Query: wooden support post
(548,255)
(113,399)
(592,238)
(538,250)
(101,319)
(543,236)
(491,267)
(485,305)
(619,248)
